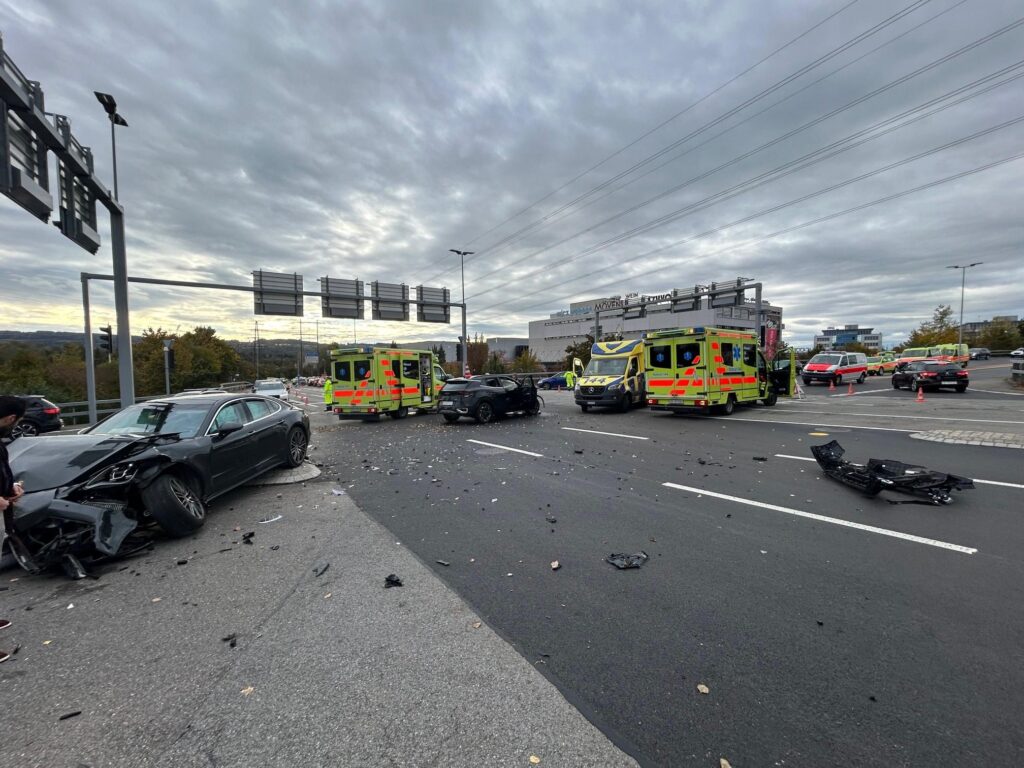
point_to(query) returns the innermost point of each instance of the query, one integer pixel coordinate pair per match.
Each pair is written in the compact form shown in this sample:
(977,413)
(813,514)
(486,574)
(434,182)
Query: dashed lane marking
(610,434)
(506,448)
(896,416)
(983,482)
(813,424)
(831,520)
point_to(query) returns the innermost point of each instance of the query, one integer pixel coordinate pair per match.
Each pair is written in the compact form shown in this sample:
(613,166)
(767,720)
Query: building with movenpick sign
(721,305)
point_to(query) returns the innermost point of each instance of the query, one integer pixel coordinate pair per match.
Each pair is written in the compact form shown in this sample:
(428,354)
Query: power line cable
(526,230)
(789,203)
(812,222)
(650,225)
(913,6)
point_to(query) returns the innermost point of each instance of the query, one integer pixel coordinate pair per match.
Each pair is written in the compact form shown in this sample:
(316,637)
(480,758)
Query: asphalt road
(868,635)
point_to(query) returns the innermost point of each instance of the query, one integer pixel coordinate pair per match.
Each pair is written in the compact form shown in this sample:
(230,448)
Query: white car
(271,388)
(1018,352)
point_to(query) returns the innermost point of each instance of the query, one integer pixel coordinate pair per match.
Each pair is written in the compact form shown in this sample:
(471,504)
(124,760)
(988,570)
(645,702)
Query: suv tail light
(962,373)
(51,411)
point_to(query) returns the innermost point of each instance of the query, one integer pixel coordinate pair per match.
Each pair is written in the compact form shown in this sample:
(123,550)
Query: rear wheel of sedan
(297,445)
(25,429)
(174,504)
(484,412)
(961,387)
(451,418)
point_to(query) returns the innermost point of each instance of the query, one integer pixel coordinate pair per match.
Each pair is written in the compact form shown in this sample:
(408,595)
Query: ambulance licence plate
(447,402)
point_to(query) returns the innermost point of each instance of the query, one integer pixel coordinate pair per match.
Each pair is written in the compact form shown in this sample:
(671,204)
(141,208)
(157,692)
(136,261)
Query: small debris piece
(578,450)
(391,580)
(759,458)
(764,551)
(273,519)
(70,606)
(872,698)
(493,500)
(723,763)
(555,565)
(623,561)
(477,624)
(533,758)
(328,596)
(337,492)
(703,688)
(227,549)
(69,715)
(821,623)
(156,600)
(321,570)
(248,537)
(247,690)
(231,640)
(236,529)
(551,518)
(183,561)
(442,562)
(72,567)
(47,642)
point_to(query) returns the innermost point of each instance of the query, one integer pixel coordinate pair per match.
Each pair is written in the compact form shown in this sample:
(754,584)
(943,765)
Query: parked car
(162,460)
(880,365)
(486,398)
(40,416)
(271,388)
(1018,352)
(931,374)
(980,353)
(553,382)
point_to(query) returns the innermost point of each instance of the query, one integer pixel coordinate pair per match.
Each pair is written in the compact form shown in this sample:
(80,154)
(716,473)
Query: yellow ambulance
(706,370)
(370,382)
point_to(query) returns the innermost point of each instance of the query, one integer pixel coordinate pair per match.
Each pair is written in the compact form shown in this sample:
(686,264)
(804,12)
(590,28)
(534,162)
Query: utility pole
(465,337)
(257,345)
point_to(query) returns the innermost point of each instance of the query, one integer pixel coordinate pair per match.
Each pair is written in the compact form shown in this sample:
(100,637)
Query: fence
(77,413)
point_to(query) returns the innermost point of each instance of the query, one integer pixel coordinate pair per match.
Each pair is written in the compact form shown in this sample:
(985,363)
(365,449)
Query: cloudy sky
(843,153)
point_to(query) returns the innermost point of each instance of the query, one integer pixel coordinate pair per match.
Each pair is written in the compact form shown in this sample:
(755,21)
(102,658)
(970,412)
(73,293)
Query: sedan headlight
(118,474)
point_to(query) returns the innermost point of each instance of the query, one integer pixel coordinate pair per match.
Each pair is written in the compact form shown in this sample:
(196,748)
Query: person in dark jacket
(11,410)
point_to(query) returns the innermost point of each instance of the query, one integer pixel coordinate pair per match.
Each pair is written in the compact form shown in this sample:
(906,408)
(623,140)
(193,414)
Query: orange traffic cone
(920,395)
(850,390)
(832,385)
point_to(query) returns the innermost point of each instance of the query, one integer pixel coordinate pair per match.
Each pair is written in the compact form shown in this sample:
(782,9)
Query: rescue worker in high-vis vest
(328,394)
(570,379)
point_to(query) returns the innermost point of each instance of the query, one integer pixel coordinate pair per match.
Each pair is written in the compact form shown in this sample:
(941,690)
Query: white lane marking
(895,416)
(812,424)
(610,434)
(505,448)
(995,392)
(984,482)
(832,520)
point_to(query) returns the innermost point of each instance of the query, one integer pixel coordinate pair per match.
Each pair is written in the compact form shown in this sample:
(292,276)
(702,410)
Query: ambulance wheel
(484,413)
(863,376)
(584,407)
(729,407)
(451,418)
(771,399)
(624,402)
(401,413)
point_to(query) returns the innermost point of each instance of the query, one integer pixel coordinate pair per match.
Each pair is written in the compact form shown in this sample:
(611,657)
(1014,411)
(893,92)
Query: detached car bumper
(47,527)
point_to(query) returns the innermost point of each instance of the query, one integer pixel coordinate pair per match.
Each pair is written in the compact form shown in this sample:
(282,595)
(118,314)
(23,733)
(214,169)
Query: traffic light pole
(125,369)
(90,363)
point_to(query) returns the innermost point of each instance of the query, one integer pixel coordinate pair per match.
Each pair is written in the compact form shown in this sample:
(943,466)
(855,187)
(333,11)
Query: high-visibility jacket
(328,392)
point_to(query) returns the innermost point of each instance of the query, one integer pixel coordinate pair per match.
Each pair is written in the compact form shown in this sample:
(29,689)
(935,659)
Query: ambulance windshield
(605,366)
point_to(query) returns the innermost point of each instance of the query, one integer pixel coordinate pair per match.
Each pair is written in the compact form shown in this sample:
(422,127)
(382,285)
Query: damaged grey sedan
(157,463)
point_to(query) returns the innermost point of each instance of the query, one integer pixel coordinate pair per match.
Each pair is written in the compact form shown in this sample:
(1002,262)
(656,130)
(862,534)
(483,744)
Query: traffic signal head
(107,338)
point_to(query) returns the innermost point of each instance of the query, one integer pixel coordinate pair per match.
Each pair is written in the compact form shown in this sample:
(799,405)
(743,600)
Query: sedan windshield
(157,418)
(613,366)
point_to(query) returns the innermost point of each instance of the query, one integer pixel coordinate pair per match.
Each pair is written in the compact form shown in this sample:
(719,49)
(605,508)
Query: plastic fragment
(477,624)
(759,458)
(69,715)
(247,690)
(623,561)
(273,519)
(555,565)
(70,606)
(156,600)
(534,760)
(248,537)
(391,580)
(723,763)
(442,562)
(703,688)
(231,640)
(320,570)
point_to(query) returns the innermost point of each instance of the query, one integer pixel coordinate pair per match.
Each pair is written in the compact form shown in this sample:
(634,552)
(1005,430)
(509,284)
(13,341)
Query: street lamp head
(461,253)
(107,101)
(118,120)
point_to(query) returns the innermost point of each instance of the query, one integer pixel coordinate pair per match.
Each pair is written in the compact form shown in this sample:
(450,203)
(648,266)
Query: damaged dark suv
(160,461)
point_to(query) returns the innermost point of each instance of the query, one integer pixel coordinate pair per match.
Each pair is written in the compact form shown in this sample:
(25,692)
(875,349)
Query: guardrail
(77,413)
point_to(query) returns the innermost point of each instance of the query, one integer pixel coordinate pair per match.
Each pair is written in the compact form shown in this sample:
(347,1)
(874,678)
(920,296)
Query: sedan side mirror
(229,428)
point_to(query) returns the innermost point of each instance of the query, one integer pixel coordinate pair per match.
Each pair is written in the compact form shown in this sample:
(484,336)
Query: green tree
(580,349)
(1000,335)
(438,351)
(495,363)
(148,361)
(939,330)
(526,362)
(477,353)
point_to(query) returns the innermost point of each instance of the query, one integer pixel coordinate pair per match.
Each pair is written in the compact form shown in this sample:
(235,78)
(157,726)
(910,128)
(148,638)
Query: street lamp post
(465,339)
(963,280)
(115,119)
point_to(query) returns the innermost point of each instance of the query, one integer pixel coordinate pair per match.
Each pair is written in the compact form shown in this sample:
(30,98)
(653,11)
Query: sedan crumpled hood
(58,460)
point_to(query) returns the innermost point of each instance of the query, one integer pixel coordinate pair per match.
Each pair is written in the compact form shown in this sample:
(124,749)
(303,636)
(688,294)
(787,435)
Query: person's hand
(4,503)
(19,491)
